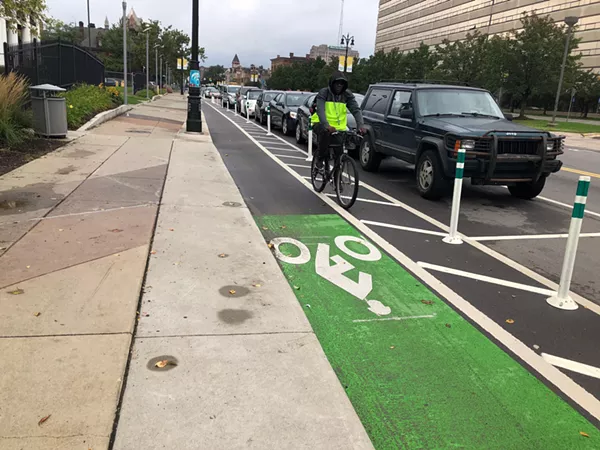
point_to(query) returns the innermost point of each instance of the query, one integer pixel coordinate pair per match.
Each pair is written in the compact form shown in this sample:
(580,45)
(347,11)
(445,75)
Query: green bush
(14,119)
(85,101)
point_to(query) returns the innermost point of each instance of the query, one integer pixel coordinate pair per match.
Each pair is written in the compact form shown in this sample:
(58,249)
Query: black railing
(54,62)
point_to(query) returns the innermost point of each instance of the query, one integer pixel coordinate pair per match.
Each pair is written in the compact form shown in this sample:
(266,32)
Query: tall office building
(404,24)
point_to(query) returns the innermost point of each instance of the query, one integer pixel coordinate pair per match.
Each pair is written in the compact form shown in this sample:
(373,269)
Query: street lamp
(156,63)
(89,28)
(194,115)
(348,41)
(125,52)
(571,21)
(147,31)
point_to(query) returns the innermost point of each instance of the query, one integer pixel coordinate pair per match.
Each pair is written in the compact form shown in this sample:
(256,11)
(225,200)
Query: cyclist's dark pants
(325,139)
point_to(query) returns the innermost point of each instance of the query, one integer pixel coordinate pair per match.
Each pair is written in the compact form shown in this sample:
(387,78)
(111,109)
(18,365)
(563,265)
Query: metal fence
(60,63)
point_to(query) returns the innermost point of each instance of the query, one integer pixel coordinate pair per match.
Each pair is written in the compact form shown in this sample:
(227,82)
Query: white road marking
(428,316)
(358,199)
(529,236)
(488,251)
(571,389)
(549,200)
(288,156)
(298,165)
(573,366)
(281,149)
(478,277)
(400,227)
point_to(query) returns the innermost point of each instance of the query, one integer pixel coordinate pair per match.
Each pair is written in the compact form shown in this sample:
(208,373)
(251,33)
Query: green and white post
(453,237)
(269,121)
(248,112)
(562,300)
(310,141)
(235,108)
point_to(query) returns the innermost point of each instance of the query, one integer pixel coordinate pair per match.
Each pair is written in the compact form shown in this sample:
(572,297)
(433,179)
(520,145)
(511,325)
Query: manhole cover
(162,363)
(232,204)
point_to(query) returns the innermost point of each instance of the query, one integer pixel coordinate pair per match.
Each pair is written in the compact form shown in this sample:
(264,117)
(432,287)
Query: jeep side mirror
(406,114)
(508,116)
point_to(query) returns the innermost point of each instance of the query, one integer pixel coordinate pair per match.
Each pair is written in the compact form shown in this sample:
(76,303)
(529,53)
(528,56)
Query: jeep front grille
(519,147)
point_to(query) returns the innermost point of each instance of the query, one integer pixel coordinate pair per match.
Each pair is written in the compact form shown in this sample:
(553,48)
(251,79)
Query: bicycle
(343,174)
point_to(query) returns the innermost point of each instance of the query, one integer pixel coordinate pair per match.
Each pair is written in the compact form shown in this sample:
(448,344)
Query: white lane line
(302,158)
(529,236)
(573,366)
(428,316)
(298,165)
(556,202)
(366,200)
(281,149)
(478,277)
(571,389)
(400,227)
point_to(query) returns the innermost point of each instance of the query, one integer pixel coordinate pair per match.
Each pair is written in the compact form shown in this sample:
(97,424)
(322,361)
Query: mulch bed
(26,152)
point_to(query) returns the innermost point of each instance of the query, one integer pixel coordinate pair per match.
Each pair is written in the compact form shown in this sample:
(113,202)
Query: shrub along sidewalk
(85,101)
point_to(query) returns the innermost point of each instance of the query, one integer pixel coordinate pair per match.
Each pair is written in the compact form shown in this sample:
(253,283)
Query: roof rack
(449,82)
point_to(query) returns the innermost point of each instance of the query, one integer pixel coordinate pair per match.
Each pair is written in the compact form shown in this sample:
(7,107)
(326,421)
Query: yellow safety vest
(336,115)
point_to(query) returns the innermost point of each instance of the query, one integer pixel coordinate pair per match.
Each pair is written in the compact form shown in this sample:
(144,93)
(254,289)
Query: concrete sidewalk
(75,238)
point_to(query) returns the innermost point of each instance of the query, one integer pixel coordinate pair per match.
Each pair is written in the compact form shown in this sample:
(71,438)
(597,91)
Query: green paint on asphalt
(431,383)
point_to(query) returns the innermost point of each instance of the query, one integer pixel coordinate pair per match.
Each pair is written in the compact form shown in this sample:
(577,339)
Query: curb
(105,117)
(156,97)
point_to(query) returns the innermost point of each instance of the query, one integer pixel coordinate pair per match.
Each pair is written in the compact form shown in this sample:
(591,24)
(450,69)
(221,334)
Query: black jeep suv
(426,125)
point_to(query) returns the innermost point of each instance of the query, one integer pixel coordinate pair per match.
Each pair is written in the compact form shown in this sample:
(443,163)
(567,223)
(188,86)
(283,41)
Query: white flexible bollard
(453,237)
(228,104)
(235,108)
(562,299)
(269,121)
(247,112)
(310,141)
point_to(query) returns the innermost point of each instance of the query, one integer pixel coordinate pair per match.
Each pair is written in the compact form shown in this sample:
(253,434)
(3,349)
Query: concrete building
(404,24)
(286,61)
(327,52)
(16,33)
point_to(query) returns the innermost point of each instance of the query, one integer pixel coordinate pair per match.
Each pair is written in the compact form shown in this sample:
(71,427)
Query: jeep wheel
(527,191)
(369,158)
(431,182)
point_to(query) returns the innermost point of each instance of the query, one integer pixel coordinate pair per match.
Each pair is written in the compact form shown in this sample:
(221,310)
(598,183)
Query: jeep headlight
(550,146)
(467,144)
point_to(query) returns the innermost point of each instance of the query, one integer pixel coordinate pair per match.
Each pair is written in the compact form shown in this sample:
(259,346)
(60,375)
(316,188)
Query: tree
(536,57)
(18,10)
(587,88)
(57,29)
(215,73)
(460,61)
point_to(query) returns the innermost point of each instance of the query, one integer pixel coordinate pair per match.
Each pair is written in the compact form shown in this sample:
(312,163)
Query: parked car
(260,113)
(108,82)
(241,95)
(426,125)
(284,108)
(230,95)
(248,106)
(303,119)
(212,92)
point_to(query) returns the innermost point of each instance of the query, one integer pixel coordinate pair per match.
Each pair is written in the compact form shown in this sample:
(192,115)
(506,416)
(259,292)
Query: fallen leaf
(257,285)
(16,292)
(270,245)
(283,227)
(392,347)
(265,228)
(37,314)
(510,321)
(115,230)
(222,255)
(427,302)
(297,288)
(584,434)
(153,252)
(164,363)
(28,267)
(43,419)
(60,229)
(171,229)
(448,325)
(232,292)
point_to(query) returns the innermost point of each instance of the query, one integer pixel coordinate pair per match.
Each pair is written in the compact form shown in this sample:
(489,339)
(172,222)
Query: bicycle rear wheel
(346,182)
(318,176)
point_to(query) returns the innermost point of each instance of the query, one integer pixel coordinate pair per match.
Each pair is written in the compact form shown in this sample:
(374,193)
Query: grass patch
(85,101)
(15,121)
(568,127)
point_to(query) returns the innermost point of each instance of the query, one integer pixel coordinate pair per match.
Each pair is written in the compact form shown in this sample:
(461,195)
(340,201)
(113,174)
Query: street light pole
(194,116)
(125,52)
(147,62)
(161,73)
(571,21)
(348,41)
(156,69)
(89,28)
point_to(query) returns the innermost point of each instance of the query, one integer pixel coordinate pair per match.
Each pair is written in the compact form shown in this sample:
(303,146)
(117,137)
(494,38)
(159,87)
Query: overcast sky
(257,30)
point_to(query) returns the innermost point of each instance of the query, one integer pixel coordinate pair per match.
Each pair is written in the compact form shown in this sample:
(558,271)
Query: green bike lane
(418,374)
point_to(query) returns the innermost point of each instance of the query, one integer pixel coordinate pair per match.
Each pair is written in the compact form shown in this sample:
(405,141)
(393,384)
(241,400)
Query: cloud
(257,30)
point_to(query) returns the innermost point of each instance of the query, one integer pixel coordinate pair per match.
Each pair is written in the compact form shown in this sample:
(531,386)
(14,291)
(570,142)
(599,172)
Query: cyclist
(330,115)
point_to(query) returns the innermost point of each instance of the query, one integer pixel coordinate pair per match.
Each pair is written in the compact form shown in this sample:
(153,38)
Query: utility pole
(156,69)
(571,21)
(194,116)
(147,30)
(161,75)
(89,28)
(348,41)
(125,52)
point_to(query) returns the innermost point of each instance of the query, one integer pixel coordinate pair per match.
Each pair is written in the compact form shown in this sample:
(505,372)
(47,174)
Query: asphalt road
(491,275)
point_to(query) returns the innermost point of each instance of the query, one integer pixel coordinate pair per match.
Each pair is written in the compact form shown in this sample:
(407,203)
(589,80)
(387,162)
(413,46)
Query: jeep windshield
(457,102)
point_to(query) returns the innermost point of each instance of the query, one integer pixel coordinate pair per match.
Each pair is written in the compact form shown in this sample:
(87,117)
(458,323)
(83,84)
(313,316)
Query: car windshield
(458,102)
(295,99)
(253,95)
(233,89)
(270,96)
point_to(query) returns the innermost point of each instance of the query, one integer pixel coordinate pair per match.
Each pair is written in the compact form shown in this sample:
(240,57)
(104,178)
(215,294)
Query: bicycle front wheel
(318,176)
(346,182)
